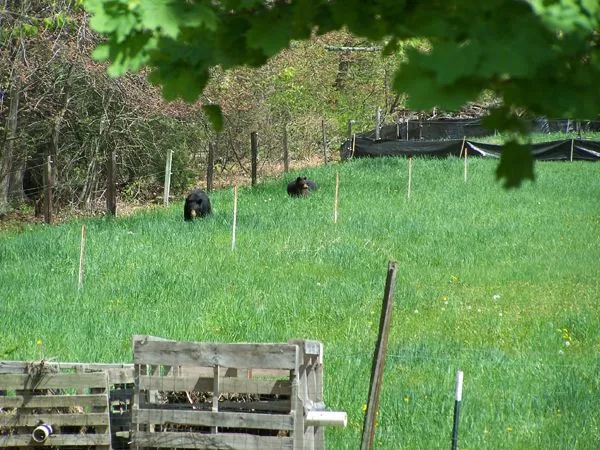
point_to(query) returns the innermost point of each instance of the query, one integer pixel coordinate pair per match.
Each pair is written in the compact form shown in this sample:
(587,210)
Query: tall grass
(536,138)
(500,284)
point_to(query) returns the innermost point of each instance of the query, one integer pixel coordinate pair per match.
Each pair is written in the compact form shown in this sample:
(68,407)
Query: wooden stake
(379,359)
(49,179)
(167,187)
(335,205)
(81,258)
(324,141)
(462,147)
(210,166)
(286,153)
(409,175)
(111,189)
(235,198)
(572,145)
(254,156)
(465,165)
(353,144)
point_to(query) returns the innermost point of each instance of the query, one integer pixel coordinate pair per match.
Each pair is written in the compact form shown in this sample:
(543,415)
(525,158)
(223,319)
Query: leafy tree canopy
(538,56)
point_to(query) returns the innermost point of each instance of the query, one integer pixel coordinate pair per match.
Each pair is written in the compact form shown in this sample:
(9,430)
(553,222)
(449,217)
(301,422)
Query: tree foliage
(56,102)
(537,56)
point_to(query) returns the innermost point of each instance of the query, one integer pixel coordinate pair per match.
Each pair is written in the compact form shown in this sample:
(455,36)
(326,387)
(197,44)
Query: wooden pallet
(49,408)
(234,396)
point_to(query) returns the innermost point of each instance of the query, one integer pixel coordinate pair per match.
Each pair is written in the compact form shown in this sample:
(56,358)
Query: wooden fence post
(324,141)
(81,258)
(167,188)
(210,165)
(465,171)
(572,148)
(48,194)
(337,190)
(233,228)
(286,155)
(409,176)
(379,358)
(254,155)
(377,123)
(111,192)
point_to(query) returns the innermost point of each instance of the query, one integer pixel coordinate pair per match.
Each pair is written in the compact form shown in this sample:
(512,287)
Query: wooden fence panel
(206,395)
(50,409)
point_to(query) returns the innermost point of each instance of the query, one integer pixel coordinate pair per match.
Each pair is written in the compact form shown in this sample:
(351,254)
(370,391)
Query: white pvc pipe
(459,385)
(41,432)
(326,419)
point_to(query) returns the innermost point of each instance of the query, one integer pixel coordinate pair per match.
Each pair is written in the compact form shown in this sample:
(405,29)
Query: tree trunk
(13,165)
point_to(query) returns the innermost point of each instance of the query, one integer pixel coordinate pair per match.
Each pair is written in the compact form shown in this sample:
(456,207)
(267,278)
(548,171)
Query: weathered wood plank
(54,418)
(227,385)
(280,406)
(212,419)
(55,440)
(53,381)
(26,366)
(212,441)
(175,353)
(52,401)
(276,406)
(311,348)
(270,373)
(120,375)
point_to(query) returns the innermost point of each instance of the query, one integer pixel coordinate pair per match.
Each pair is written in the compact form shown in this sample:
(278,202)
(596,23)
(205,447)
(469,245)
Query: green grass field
(536,138)
(502,285)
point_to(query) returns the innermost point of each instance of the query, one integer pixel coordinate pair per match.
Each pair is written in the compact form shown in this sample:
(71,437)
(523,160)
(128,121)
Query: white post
(462,147)
(235,198)
(81,257)
(377,122)
(409,175)
(335,205)
(458,398)
(572,145)
(465,164)
(167,178)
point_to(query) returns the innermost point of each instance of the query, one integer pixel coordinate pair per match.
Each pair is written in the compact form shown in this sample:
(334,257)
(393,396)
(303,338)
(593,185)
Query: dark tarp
(547,151)
(451,128)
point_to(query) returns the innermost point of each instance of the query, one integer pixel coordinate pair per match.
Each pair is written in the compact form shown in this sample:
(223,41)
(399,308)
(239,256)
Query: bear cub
(197,204)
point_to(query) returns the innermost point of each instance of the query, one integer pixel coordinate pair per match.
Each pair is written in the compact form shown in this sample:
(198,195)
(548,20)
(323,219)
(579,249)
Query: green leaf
(268,35)
(178,83)
(160,15)
(425,91)
(129,55)
(101,52)
(503,118)
(113,17)
(516,164)
(215,115)
(450,61)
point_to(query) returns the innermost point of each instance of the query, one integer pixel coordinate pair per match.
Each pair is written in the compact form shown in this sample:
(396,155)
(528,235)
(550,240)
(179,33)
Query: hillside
(58,103)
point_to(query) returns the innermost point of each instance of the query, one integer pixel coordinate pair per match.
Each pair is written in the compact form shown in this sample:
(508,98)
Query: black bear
(197,204)
(301,187)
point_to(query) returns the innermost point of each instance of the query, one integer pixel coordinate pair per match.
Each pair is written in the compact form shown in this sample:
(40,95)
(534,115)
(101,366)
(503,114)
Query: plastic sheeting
(567,150)
(451,128)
